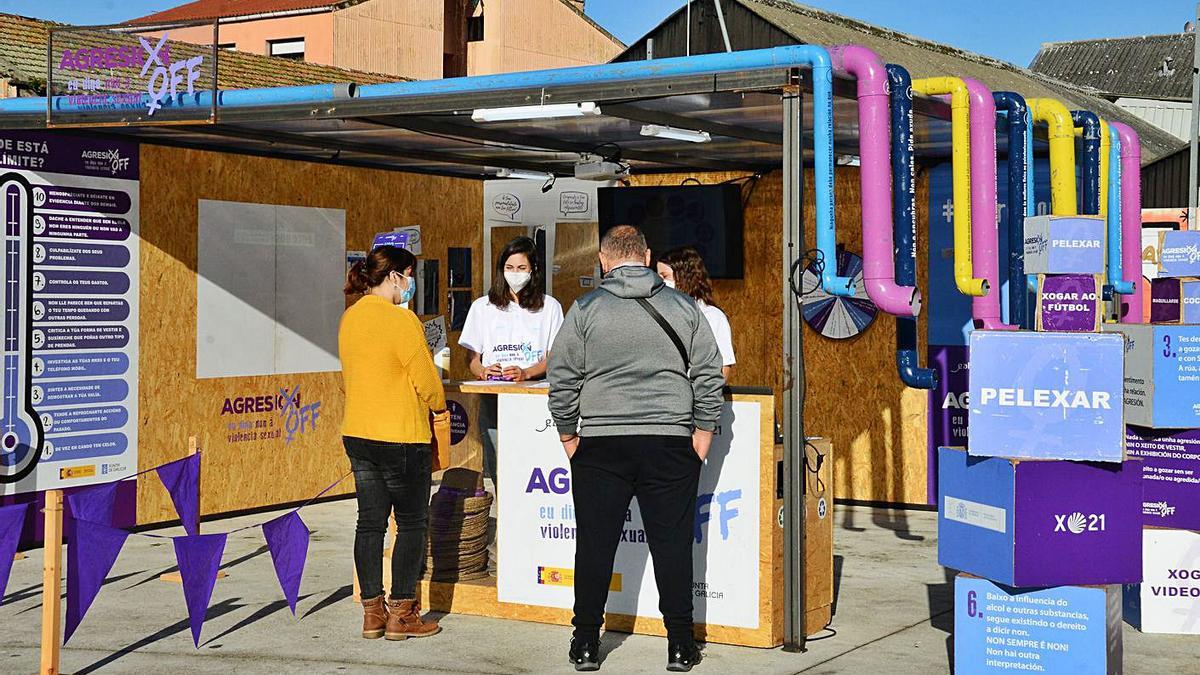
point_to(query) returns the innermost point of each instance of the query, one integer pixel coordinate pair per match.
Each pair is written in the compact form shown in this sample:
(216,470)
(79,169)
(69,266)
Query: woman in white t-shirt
(683,269)
(509,331)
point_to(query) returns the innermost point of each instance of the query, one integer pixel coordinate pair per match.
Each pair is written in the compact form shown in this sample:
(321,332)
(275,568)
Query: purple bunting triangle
(94,503)
(287,539)
(199,559)
(12,520)
(92,549)
(182,480)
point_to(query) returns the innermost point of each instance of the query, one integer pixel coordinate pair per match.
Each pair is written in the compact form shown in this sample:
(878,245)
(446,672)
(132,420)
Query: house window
(227,46)
(475,29)
(291,48)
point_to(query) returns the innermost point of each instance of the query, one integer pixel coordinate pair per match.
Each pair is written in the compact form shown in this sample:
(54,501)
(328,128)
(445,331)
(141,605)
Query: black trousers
(663,472)
(390,477)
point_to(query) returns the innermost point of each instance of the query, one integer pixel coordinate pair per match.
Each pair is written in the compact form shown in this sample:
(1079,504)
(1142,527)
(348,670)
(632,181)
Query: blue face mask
(407,294)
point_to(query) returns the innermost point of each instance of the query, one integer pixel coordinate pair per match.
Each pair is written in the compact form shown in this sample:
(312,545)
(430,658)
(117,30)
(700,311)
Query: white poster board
(536,527)
(268,289)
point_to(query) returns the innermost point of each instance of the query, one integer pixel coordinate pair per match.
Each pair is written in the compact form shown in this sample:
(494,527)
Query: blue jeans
(390,478)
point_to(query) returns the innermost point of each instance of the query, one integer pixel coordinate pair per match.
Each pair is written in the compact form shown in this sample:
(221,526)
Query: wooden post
(176,577)
(52,583)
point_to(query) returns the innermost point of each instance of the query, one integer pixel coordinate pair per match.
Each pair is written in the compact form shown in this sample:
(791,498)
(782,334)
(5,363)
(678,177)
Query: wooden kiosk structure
(412,152)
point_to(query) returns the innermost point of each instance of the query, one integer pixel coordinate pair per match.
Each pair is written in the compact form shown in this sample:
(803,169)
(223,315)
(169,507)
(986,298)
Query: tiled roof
(200,10)
(23,59)
(1150,66)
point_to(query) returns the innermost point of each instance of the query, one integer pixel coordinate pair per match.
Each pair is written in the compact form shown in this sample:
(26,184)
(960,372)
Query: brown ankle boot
(404,621)
(375,618)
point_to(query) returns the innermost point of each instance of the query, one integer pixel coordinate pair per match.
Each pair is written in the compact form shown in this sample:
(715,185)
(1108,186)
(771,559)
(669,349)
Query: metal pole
(721,20)
(1192,168)
(794,631)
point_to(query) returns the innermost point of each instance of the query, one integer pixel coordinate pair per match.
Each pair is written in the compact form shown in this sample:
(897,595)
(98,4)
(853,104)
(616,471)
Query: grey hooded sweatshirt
(613,371)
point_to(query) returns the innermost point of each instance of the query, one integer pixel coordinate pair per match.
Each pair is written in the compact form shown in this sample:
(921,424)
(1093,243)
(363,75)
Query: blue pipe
(1017,113)
(230,98)
(812,56)
(904,219)
(1030,192)
(1090,175)
(1116,277)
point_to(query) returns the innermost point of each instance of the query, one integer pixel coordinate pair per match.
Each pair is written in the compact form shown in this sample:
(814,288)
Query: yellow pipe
(1105,146)
(1062,153)
(960,154)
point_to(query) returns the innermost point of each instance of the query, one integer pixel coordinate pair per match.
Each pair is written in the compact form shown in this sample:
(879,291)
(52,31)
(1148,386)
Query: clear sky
(1007,29)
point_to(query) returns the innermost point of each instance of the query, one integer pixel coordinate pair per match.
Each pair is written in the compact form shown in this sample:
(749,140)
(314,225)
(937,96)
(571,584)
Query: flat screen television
(708,217)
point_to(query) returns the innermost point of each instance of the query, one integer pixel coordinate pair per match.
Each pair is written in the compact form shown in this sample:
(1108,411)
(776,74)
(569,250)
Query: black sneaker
(585,654)
(681,656)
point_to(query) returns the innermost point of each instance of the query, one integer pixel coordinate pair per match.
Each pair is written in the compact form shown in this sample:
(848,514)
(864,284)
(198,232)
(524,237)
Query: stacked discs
(458,534)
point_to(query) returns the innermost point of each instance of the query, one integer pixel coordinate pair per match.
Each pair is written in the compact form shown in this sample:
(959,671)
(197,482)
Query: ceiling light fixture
(535,112)
(524,174)
(660,131)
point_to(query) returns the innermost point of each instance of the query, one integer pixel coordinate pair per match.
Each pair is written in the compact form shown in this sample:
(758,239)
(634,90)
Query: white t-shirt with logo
(720,328)
(513,336)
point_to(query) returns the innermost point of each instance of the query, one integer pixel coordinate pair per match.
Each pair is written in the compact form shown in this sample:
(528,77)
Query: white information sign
(537,531)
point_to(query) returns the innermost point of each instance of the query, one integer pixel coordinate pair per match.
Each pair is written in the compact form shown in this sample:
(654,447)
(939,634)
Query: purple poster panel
(70,206)
(1170,475)
(947,404)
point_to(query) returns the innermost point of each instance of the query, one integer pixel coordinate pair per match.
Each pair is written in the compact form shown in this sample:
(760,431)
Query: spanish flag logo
(565,576)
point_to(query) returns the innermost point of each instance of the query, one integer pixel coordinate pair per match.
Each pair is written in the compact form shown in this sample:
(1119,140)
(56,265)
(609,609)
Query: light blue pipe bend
(1116,277)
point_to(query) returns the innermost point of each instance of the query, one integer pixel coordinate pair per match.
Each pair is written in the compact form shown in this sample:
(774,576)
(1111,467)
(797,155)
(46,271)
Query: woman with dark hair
(683,269)
(392,388)
(509,331)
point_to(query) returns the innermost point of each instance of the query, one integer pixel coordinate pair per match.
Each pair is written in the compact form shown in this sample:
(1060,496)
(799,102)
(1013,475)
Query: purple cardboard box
(1069,302)
(1040,523)
(1174,300)
(1170,475)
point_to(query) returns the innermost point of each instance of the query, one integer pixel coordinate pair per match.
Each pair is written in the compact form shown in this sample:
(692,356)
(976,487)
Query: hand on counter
(701,442)
(514,374)
(492,372)
(570,444)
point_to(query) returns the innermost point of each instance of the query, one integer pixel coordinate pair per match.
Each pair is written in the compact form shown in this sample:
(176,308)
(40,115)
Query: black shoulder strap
(654,314)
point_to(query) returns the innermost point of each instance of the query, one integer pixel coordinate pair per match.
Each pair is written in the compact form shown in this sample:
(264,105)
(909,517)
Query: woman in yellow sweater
(391,389)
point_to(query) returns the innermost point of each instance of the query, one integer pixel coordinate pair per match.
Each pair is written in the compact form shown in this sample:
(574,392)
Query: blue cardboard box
(1040,523)
(1066,629)
(1064,245)
(1162,375)
(1179,253)
(1046,396)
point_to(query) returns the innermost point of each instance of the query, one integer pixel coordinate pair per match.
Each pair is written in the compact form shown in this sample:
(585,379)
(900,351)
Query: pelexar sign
(1046,395)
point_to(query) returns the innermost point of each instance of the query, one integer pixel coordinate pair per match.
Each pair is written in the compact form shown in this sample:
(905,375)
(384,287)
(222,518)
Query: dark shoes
(585,654)
(681,656)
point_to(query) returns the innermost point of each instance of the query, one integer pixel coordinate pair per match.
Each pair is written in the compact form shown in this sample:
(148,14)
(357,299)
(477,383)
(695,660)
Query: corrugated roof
(201,10)
(1149,66)
(23,58)
(925,58)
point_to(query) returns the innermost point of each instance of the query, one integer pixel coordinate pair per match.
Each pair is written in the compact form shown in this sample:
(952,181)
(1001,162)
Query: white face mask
(517,280)
(669,282)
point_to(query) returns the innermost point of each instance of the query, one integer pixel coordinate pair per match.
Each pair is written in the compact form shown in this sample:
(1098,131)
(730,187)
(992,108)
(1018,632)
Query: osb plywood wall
(240,475)
(854,396)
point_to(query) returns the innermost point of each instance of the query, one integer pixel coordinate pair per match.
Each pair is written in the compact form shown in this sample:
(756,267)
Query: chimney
(578,4)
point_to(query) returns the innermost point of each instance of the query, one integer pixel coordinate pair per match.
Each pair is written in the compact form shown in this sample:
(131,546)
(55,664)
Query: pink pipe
(874,149)
(1131,222)
(985,245)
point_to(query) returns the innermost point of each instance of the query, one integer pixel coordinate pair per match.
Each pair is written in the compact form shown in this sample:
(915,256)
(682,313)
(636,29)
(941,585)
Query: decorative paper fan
(833,316)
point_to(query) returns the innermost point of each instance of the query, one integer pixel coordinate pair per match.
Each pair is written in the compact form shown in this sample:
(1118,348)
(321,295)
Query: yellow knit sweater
(391,382)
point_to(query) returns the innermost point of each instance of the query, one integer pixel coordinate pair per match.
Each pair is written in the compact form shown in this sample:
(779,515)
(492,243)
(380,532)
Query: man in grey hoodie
(636,392)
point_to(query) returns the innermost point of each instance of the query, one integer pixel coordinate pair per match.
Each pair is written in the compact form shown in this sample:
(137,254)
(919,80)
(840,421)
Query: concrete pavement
(894,614)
